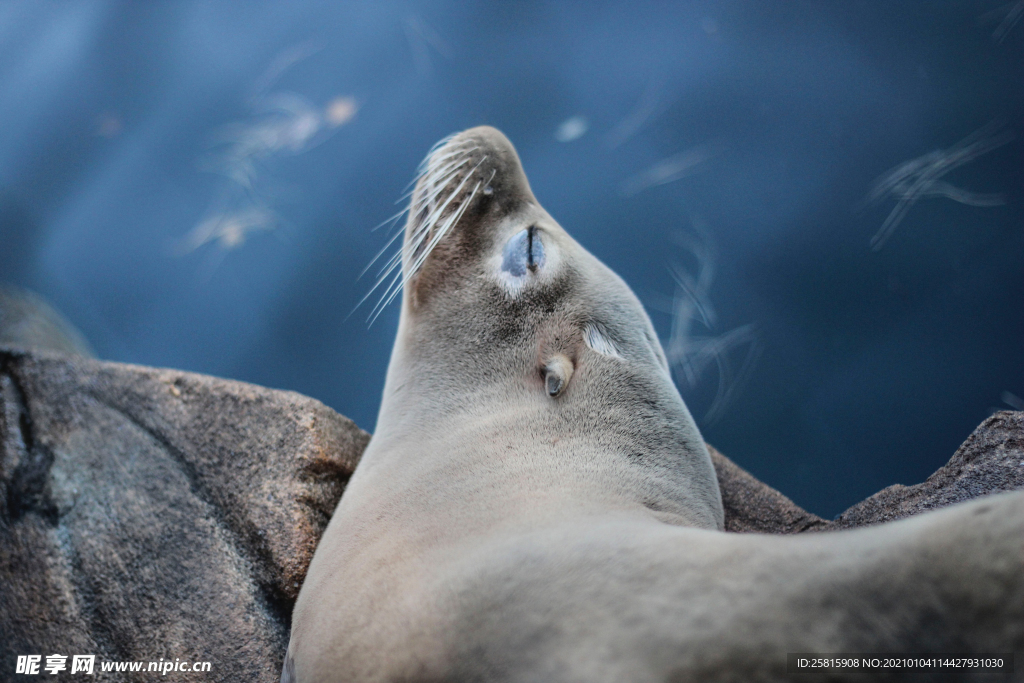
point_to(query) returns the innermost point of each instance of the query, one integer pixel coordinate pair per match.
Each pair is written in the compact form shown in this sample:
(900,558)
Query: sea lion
(537,503)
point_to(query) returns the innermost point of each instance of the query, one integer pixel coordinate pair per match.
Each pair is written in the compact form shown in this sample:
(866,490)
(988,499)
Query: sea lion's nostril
(554,384)
(557,373)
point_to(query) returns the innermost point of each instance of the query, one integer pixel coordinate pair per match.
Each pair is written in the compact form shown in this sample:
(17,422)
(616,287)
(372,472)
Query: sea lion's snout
(506,183)
(467,184)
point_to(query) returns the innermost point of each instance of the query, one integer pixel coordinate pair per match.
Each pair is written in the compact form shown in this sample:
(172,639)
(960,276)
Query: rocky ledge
(149,513)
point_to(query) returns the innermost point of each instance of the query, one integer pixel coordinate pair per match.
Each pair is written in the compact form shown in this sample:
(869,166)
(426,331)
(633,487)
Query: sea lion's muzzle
(468,186)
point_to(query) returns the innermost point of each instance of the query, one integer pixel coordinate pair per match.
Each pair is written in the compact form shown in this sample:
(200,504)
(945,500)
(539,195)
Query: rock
(991,460)
(27,321)
(753,506)
(150,513)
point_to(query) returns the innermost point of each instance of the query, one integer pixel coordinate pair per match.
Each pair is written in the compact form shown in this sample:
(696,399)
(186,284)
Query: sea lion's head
(503,310)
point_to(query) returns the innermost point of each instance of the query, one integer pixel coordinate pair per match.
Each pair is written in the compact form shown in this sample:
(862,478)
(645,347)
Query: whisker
(379,254)
(445,227)
(437,213)
(394,287)
(391,220)
(441,181)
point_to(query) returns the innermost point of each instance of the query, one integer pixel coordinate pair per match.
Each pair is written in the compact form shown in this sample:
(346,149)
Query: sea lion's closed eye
(523,252)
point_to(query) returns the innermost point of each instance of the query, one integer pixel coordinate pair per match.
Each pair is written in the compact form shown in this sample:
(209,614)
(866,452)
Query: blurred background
(821,204)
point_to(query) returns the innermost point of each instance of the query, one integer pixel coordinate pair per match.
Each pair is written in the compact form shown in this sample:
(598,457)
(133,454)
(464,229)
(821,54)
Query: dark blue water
(753,129)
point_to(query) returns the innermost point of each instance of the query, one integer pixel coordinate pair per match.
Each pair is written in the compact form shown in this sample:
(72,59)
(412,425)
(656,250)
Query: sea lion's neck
(503,441)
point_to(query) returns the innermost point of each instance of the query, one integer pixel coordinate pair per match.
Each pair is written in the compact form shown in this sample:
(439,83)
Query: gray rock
(751,506)
(150,513)
(27,321)
(991,460)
